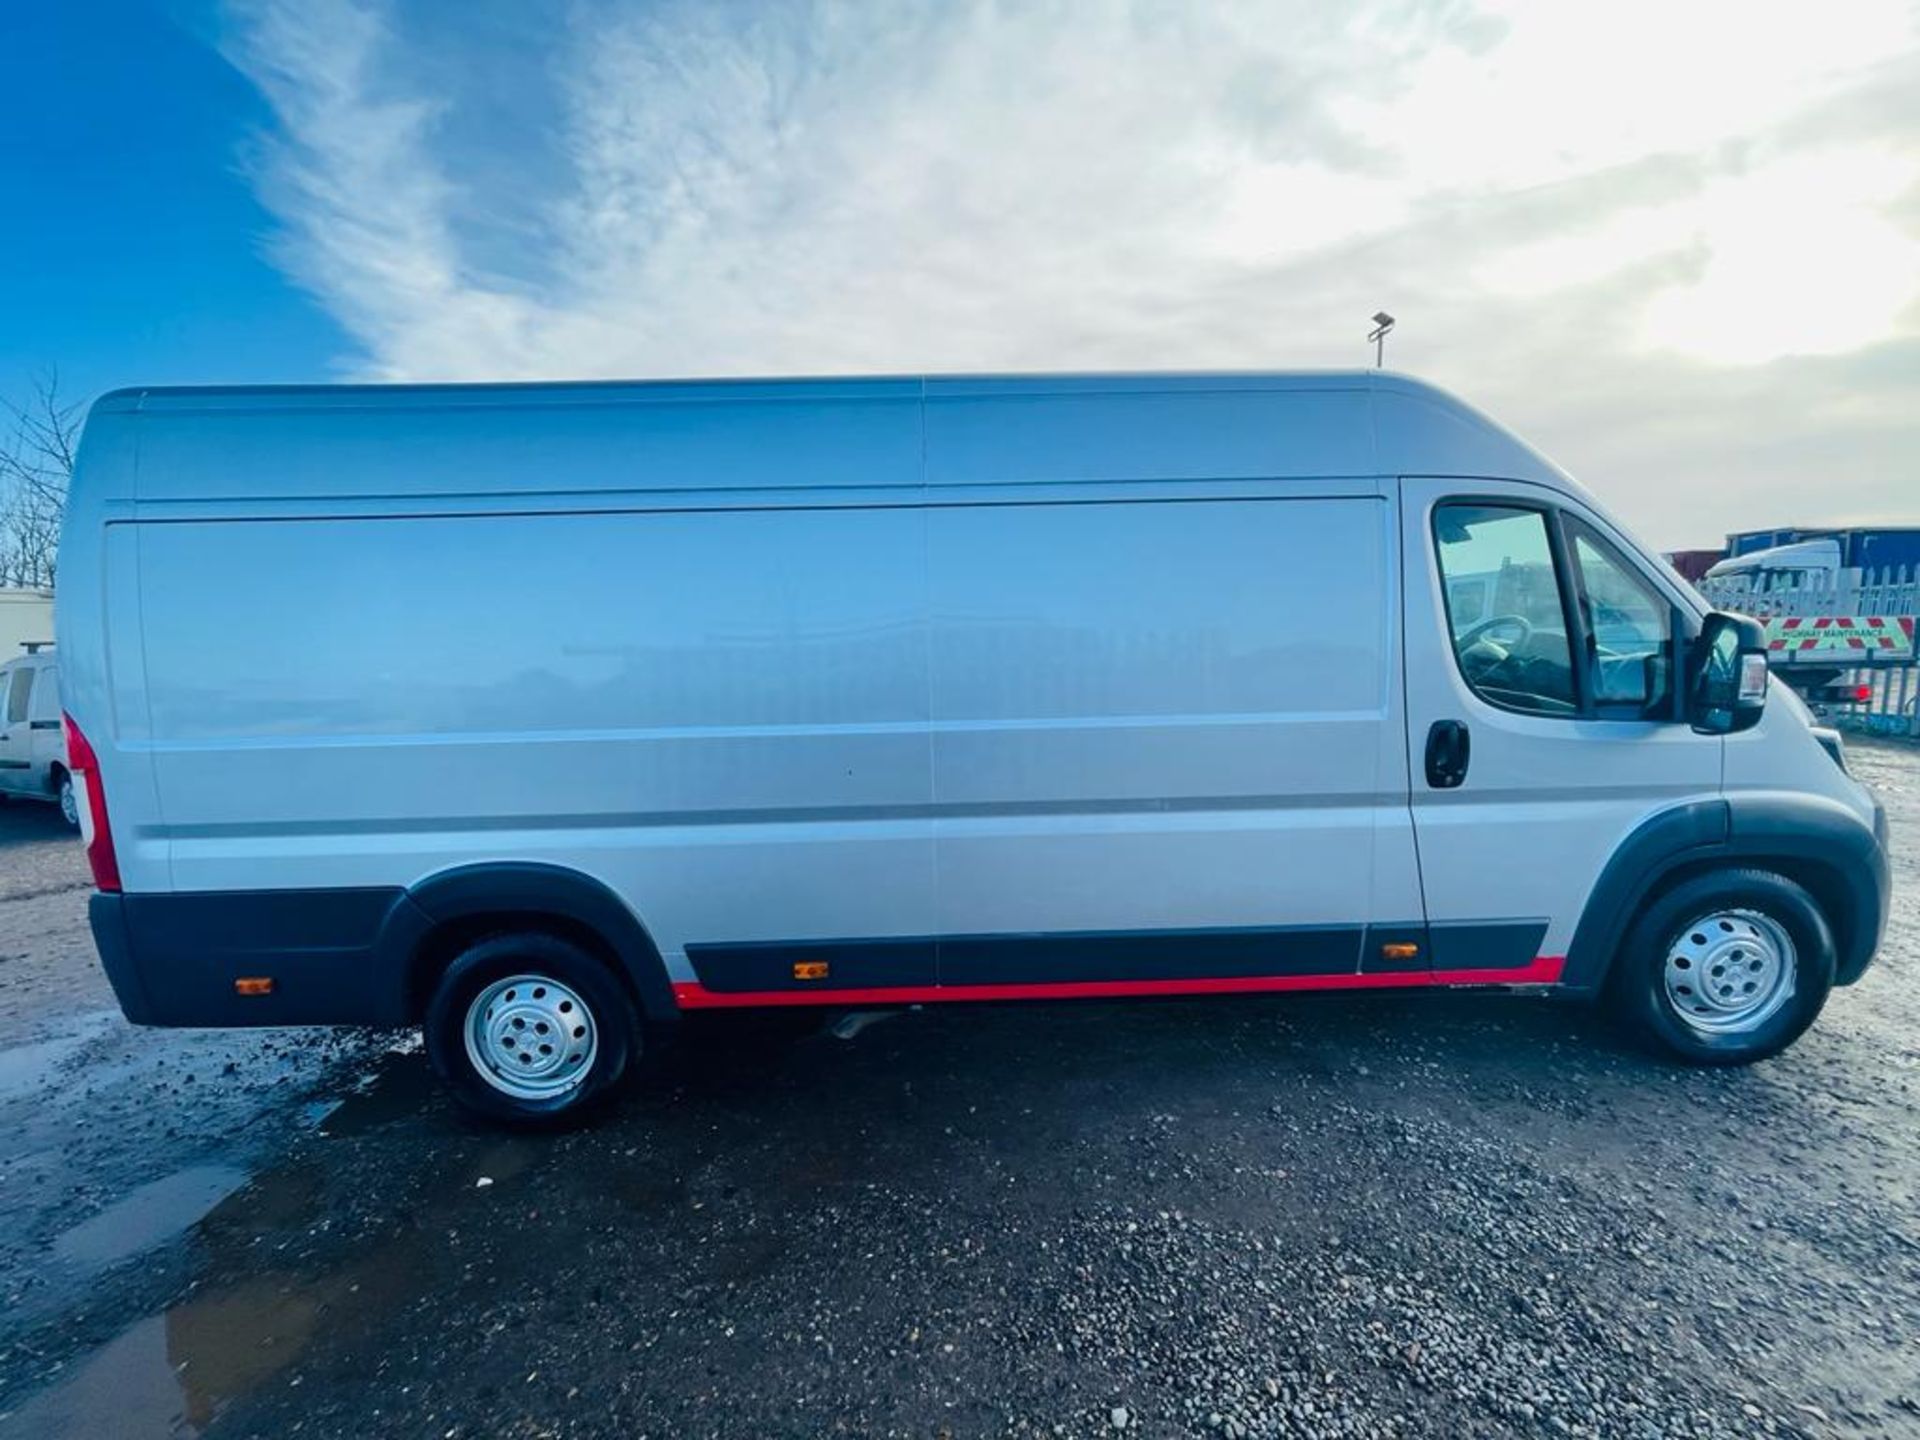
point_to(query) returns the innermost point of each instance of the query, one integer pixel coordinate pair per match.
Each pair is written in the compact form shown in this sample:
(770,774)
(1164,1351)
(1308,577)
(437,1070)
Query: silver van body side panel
(781,660)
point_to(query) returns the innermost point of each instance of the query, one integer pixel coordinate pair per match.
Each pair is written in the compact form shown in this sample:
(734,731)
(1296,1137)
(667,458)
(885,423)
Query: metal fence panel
(1892,706)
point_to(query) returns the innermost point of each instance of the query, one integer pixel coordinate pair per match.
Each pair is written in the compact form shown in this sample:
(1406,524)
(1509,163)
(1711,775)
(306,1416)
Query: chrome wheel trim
(1729,972)
(69,803)
(531,1037)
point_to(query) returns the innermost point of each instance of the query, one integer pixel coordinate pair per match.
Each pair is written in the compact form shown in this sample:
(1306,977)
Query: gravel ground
(1419,1215)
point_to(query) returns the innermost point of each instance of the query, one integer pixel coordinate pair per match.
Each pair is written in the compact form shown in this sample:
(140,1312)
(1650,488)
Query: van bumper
(173,959)
(107,915)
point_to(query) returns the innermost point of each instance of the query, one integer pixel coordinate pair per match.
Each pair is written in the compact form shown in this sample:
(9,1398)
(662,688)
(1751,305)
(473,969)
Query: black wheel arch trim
(529,888)
(1806,834)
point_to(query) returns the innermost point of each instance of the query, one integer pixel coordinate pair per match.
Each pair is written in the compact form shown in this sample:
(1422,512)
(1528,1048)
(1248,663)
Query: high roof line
(903,385)
(794,434)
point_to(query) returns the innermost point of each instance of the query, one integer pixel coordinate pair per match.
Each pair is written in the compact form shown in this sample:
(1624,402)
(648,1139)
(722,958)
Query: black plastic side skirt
(1485,944)
(1072,957)
(1108,956)
(850,964)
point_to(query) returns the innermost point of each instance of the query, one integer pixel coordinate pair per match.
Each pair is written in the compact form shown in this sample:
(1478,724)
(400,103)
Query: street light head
(1382,323)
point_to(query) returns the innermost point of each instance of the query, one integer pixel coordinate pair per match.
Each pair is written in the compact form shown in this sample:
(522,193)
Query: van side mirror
(1727,675)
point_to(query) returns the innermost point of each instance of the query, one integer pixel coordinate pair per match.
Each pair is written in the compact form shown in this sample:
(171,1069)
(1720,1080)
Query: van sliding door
(1166,745)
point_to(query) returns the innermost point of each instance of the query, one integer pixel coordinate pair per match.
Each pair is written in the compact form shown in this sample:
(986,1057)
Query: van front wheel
(530,1029)
(1726,968)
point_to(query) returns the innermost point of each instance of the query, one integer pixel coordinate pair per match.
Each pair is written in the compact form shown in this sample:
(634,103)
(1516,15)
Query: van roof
(929,429)
(508,392)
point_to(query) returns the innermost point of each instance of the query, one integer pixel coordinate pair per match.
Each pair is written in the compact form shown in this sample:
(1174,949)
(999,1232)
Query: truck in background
(1839,607)
(1813,559)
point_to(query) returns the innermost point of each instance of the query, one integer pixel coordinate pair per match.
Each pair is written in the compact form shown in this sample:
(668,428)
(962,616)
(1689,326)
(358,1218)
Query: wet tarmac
(1408,1215)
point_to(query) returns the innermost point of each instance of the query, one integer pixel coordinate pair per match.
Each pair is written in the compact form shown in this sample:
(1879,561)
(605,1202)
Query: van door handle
(1449,747)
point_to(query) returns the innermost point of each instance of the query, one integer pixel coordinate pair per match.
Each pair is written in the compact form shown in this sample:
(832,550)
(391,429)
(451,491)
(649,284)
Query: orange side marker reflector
(253,985)
(1401,951)
(810,970)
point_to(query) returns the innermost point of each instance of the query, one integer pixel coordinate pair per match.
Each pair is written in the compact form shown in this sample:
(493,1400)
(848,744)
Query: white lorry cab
(542,715)
(1803,565)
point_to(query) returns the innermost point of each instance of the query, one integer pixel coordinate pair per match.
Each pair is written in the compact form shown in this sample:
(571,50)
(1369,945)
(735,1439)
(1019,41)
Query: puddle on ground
(172,1374)
(25,1068)
(398,1088)
(126,1390)
(315,1112)
(142,1219)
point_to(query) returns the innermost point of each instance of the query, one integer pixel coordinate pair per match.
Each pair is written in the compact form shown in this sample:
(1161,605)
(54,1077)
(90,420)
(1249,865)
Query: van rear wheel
(1726,968)
(530,1029)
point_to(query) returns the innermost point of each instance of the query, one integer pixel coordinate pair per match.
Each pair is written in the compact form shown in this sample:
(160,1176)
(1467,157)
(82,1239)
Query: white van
(33,758)
(542,715)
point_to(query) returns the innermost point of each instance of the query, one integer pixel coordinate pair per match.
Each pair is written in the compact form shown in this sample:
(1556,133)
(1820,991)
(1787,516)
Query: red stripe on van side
(694,996)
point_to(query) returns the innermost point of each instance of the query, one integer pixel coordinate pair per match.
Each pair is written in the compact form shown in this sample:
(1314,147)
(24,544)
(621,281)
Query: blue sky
(1676,245)
(137,251)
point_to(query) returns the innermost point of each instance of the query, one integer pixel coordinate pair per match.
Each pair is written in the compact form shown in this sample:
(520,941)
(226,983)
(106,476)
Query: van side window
(1503,606)
(1627,621)
(18,696)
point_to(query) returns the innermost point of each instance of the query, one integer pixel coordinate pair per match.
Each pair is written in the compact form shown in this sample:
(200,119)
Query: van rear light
(86,770)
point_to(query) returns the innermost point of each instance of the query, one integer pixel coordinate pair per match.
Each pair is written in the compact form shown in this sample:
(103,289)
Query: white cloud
(1801,255)
(1569,205)
(1577,87)
(1806,258)
(353,170)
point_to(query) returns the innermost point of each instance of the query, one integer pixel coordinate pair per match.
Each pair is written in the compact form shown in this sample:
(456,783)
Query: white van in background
(541,715)
(33,754)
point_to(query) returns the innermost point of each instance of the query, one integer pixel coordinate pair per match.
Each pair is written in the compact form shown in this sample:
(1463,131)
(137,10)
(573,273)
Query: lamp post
(1382,323)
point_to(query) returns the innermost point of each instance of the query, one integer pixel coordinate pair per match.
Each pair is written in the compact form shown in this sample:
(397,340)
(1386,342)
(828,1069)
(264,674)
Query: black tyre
(531,1029)
(69,799)
(1725,968)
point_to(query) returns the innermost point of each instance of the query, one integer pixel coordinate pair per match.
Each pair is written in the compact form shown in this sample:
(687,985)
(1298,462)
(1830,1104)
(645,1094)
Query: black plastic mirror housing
(1727,674)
